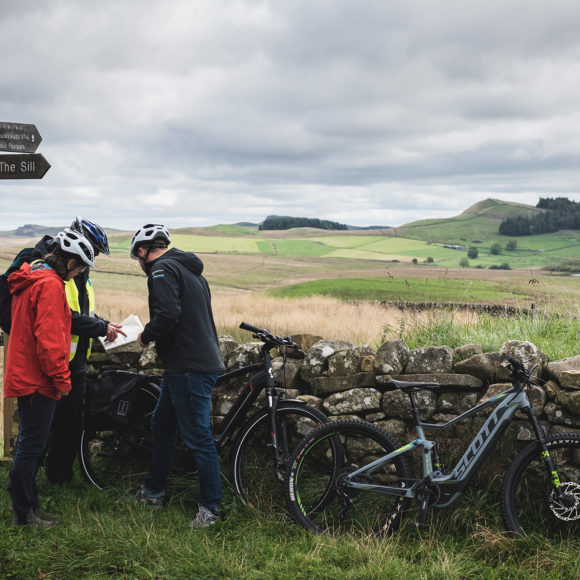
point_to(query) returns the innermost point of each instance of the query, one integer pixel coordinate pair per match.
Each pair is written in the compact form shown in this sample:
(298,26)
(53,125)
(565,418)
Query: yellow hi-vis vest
(72,297)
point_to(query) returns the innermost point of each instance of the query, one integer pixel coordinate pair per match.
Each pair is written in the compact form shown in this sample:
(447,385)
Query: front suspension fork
(273,399)
(545,453)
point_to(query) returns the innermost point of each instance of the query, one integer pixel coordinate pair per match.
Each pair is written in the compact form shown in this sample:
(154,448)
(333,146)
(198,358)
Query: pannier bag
(111,400)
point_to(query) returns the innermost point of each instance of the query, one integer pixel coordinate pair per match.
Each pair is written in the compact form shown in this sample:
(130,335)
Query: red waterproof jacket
(39,344)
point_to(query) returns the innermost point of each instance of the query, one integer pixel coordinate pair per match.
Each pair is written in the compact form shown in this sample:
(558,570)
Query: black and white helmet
(148,234)
(75,244)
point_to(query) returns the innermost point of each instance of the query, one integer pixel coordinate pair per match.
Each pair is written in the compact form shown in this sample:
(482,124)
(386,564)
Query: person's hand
(140,341)
(113,331)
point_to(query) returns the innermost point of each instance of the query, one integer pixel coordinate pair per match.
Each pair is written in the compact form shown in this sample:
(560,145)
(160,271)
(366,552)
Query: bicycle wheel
(121,457)
(528,502)
(316,494)
(255,475)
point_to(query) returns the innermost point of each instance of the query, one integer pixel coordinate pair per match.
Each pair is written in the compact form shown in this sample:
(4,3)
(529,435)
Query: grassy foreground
(104,535)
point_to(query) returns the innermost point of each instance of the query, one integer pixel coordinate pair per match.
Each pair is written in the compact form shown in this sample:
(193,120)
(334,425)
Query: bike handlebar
(249,327)
(267,337)
(519,370)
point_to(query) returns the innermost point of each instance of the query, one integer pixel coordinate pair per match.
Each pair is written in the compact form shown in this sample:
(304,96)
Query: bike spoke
(323,497)
(530,501)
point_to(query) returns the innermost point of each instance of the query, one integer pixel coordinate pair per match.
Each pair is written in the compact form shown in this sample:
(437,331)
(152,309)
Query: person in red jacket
(37,370)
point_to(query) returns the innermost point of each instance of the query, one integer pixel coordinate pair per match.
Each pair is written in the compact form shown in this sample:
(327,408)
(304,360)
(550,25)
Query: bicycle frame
(452,485)
(264,379)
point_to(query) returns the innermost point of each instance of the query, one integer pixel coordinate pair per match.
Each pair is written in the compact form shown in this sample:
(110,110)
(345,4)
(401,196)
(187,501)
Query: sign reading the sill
(20,141)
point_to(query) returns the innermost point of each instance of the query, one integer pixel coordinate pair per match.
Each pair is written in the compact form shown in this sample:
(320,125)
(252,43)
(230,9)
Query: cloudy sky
(199,112)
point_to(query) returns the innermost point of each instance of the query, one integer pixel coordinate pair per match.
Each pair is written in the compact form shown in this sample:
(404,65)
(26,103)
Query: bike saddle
(408,386)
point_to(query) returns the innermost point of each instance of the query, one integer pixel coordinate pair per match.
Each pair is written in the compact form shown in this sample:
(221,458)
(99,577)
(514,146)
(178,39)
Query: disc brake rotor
(567,509)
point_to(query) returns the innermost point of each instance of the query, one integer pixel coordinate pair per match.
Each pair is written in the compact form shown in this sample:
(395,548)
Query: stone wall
(349,381)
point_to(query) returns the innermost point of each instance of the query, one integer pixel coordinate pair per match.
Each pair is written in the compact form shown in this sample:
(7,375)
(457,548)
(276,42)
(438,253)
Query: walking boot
(40,513)
(32,520)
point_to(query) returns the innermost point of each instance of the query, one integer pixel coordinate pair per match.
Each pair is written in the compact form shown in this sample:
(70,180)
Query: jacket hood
(21,279)
(187,259)
(43,247)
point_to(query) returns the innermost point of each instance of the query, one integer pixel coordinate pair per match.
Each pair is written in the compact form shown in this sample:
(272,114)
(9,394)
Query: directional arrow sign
(23,166)
(19,138)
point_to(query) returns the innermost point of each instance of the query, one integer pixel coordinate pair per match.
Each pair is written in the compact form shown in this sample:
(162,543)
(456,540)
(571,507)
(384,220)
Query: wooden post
(6,408)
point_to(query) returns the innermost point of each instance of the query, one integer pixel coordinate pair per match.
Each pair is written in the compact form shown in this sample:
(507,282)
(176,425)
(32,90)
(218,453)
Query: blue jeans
(185,405)
(35,413)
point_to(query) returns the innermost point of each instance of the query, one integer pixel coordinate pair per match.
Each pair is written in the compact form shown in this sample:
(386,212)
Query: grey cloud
(232,110)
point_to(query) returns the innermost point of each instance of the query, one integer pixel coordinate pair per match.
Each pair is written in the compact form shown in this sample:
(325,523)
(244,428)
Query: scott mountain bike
(261,446)
(352,475)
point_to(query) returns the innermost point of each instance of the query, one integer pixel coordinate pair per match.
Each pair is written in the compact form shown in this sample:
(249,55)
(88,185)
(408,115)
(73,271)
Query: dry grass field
(360,323)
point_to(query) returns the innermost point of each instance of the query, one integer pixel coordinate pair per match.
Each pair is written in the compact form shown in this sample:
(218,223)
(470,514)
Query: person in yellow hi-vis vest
(67,425)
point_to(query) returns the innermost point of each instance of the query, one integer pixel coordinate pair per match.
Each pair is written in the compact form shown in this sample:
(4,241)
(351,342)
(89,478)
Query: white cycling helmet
(148,234)
(75,244)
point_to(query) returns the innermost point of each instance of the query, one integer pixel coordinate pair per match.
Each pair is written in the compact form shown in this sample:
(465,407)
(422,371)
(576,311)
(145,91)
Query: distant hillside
(276,222)
(561,214)
(37,231)
(366,228)
(279,222)
(32,231)
(480,222)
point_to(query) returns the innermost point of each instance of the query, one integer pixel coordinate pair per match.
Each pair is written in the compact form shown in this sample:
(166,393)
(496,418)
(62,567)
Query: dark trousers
(35,413)
(65,434)
(185,406)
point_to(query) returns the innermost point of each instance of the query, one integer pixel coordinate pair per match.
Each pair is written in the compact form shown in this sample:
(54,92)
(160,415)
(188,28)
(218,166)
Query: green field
(531,252)
(246,258)
(403,289)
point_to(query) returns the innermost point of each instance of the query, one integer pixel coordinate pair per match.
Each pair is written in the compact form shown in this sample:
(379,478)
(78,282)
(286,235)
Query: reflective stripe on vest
(72,297)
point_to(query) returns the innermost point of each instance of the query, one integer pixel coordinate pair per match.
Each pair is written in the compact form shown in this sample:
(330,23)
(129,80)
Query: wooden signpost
(19,138)
(20,141)
(18,160)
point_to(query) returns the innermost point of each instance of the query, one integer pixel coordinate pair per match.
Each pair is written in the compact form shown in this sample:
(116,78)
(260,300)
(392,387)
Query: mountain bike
(352,475)
(261,445)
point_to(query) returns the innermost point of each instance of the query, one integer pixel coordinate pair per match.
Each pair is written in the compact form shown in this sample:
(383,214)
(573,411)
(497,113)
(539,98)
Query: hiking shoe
(32,520)
(144,497)
(205,517)
(40,513)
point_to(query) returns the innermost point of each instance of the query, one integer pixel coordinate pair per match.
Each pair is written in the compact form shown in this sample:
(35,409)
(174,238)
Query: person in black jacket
(65,435)
(182,326)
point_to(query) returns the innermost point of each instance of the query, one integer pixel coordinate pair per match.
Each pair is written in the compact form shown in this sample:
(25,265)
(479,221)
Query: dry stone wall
(352,381)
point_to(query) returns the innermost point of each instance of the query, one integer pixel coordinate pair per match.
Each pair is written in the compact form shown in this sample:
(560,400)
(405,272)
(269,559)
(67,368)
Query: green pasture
(531,251)
(406,289)
(479,222)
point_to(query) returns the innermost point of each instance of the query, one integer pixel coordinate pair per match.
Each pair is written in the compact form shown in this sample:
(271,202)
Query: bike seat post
(415,409)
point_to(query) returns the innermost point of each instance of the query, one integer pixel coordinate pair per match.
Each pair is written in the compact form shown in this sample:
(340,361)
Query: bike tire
(314,493)
(527,499)
(121,457)
(255,475)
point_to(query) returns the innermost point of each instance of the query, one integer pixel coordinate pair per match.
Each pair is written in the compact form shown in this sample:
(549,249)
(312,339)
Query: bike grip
(513,361)
(249,327)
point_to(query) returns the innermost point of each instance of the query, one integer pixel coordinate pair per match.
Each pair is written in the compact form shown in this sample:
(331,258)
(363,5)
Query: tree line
(562,214)
(275,222)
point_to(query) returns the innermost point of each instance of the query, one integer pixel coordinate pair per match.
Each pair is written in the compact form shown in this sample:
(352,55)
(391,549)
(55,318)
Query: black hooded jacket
(180,315)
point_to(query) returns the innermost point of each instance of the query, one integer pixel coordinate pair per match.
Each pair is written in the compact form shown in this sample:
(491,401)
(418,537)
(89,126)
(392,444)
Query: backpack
(24,255)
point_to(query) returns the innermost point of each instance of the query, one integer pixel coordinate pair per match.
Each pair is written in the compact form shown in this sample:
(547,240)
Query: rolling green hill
(442,242)
(480,222)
